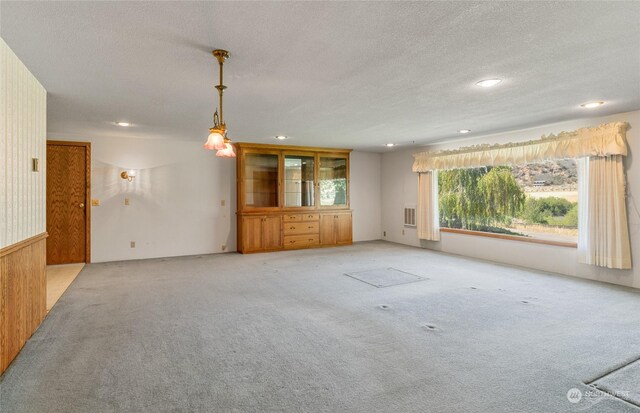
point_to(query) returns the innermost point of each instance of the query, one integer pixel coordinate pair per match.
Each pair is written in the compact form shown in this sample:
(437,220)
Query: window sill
(510,237)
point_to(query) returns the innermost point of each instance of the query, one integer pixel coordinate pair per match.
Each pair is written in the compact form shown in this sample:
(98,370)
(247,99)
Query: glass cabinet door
(261,180)
(299,188)
(333,181)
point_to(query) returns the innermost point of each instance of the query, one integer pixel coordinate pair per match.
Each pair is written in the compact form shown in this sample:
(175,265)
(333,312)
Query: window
(538,200)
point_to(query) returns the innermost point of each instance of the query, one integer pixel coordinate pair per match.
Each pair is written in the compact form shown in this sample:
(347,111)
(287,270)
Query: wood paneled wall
(23,130)
(23,294)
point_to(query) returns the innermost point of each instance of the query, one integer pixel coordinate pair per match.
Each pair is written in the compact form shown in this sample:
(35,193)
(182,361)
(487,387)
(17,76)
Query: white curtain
(602,221)
(604,140)
(428,214)
(583,203)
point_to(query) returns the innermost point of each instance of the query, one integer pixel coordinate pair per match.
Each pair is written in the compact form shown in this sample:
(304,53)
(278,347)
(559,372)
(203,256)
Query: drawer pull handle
(292,227)
(310,227)
(292,242)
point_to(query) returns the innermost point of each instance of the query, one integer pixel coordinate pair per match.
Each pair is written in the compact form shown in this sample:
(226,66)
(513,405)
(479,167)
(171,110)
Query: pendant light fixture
(218,133)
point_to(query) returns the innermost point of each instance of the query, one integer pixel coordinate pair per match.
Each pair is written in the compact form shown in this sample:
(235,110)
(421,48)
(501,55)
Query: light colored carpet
(623,383)
(289,331)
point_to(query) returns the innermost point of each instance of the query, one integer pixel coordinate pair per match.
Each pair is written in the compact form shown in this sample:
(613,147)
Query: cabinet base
(309,247)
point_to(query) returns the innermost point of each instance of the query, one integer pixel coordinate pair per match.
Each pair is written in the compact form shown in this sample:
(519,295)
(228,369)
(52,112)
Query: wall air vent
(409,215)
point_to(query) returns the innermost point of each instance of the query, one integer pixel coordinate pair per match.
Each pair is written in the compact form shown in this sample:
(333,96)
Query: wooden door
(272,232)
(251,234)
(68,189)
(343,228)
(327,229)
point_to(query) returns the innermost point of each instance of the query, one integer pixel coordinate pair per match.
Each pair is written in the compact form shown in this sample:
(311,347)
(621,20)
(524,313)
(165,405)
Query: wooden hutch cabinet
(292,197)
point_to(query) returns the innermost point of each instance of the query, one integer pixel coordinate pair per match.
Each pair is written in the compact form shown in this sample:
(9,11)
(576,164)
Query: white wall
(399,186)
(366,173)
(175,200)
(23,126)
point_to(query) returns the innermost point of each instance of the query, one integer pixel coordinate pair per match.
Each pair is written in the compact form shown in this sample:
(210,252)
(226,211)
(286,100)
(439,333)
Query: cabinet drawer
(295,228)
(297,241)
(300,217)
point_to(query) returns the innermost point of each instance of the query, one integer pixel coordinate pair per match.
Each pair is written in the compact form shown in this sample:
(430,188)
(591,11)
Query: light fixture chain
(221,91)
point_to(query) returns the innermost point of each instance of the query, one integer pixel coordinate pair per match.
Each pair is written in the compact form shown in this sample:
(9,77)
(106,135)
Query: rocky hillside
(562,173)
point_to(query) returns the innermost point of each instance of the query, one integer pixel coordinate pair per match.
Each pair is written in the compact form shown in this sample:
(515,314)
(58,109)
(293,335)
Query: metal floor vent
(385,277)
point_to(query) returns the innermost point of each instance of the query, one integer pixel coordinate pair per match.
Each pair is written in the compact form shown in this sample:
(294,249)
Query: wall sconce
(128,175)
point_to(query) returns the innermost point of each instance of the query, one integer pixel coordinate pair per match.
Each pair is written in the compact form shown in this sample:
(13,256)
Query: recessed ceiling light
(464,130)
(281,137)
(389,145)
(591,105)
(488,82)
(123,124)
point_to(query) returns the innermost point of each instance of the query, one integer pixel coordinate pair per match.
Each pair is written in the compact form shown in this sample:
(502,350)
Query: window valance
(604,140)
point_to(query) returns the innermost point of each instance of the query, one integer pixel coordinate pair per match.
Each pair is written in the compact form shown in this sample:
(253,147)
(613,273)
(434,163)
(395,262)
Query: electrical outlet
(222,203)
(402,232)
(223,247)
(384,234)
(133,244)
(126,201)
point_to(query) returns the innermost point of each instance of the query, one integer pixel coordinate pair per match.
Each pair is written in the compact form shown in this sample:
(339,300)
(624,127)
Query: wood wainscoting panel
(23,295)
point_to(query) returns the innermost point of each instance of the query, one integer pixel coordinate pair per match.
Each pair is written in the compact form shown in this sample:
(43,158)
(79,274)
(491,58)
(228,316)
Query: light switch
(222,202)
(126,201)
(95,202)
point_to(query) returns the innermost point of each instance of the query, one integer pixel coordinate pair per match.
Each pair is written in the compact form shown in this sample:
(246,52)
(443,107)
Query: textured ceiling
(341,74)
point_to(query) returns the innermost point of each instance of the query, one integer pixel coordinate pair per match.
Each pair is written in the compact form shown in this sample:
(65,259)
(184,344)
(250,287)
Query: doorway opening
(68,214)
